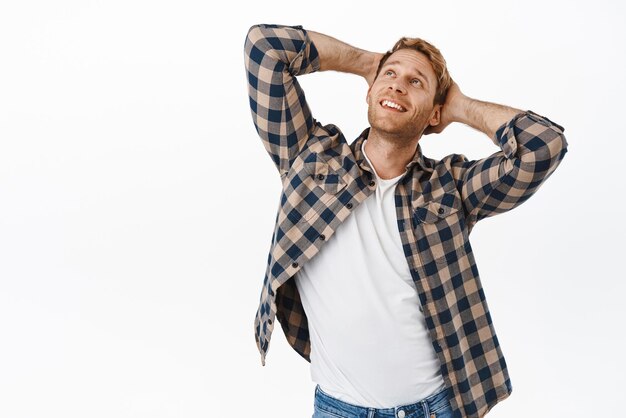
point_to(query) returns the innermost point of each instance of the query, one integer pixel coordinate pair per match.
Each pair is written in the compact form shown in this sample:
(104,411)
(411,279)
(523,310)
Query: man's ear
(367,97)
(435,119)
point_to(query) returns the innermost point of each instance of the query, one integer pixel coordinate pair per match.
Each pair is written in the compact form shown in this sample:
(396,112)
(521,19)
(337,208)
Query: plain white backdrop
(137,203)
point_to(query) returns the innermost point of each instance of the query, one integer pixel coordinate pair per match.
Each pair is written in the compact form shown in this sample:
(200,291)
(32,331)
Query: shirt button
(441,210)
(372,183)
(294,264)
(320,177)
(322,237)
(401,414)
(349,205)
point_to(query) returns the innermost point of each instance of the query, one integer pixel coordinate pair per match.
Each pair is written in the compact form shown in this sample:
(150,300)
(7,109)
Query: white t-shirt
(369,340)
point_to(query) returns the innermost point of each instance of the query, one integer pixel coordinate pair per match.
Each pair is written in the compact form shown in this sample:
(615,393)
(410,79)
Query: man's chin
(398,134)
(398,131)
(389,127)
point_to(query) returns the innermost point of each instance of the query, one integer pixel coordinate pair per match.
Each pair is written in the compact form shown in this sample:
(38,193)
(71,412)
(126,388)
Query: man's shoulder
(446,170)
(328,130)
(447,161)
(328,140)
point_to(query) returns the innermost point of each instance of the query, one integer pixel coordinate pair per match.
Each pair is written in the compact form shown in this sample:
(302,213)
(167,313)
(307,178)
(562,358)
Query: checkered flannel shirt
(438,202)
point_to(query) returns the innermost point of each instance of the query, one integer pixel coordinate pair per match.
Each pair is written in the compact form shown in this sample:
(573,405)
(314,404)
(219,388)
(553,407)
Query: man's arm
(486,117)
(532,147)
(339,56)
(274,55)
(483,116)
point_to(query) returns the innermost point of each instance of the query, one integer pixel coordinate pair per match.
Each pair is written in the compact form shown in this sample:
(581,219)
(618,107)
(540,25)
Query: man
(370,272)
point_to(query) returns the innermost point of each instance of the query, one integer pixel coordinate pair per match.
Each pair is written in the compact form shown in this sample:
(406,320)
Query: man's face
(406,79)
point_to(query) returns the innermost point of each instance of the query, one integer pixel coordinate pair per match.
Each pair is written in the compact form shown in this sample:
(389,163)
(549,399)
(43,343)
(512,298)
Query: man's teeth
(392,104)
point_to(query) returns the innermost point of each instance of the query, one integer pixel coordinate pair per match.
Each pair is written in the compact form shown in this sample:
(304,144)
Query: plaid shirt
(438,202)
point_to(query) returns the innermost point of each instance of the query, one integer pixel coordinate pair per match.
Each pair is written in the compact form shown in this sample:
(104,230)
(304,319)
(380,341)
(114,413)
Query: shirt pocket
(440,225)
(319,188)
(324,177)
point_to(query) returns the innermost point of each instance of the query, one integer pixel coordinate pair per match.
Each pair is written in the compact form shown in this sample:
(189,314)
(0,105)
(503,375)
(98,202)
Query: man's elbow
(253,32)
(257,47)
(541,163)
(254,35)
(544,142)
(556,148)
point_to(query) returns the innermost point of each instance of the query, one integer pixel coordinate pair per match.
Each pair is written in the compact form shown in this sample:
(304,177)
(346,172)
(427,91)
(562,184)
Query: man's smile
(391,105)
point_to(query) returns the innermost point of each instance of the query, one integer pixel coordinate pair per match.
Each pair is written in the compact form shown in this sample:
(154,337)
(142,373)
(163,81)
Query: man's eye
(414,80)
(388,71)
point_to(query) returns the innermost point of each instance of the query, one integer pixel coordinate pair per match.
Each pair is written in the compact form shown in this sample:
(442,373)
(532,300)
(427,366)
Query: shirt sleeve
(274,56)
(532,147)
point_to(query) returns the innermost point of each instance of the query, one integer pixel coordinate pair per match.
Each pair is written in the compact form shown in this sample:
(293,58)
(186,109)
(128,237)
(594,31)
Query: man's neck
(389,157)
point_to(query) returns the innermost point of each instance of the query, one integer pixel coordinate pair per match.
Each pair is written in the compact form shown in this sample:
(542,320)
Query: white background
(137,203)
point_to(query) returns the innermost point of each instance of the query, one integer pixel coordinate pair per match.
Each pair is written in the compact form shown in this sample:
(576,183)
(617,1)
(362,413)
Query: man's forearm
(484,116)
(339,56)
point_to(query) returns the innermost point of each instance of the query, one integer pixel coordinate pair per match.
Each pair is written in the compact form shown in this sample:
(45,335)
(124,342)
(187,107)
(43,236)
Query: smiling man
(370,272)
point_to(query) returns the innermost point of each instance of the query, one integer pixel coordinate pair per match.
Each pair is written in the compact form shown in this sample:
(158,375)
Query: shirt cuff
(307,60)
(506,134)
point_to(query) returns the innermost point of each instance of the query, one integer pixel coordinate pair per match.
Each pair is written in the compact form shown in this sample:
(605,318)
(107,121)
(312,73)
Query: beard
(398,127)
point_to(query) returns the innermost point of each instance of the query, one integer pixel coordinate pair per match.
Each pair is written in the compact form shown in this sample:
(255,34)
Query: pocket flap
(439,208)
(324,176)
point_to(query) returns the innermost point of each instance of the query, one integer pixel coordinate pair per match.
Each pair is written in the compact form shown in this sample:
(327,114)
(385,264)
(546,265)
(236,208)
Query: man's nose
(398,86)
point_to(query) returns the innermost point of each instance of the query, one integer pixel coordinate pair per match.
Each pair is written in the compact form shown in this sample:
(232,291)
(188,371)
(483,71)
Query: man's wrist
(459,109)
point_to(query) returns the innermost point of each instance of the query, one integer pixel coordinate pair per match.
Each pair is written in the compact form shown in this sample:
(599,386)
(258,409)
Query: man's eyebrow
(414,69)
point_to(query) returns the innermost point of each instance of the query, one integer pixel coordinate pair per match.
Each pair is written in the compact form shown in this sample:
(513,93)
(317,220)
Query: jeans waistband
(420,409)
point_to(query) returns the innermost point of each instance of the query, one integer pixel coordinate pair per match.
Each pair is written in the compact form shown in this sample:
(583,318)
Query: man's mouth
(391,105)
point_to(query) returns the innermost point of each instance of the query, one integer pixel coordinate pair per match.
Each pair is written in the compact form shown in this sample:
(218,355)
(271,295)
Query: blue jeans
(434,406)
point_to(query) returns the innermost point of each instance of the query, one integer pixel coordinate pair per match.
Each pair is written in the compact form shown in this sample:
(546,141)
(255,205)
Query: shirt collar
(418,158)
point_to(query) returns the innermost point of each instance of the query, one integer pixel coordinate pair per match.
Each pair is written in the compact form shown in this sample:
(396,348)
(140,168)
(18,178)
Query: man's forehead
(415,60)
